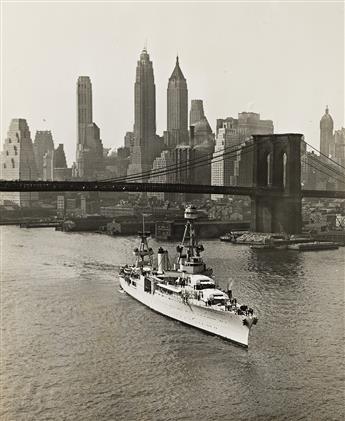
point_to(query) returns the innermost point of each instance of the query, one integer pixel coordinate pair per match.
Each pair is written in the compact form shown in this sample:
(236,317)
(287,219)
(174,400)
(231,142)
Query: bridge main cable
(193,163)
(330,159)
(323,172)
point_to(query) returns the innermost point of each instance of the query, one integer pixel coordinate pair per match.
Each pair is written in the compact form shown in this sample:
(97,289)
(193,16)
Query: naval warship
(186,291)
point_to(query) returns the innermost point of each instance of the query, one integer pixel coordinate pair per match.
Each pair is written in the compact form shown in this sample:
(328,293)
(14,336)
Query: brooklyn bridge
(276,192)
(122,186)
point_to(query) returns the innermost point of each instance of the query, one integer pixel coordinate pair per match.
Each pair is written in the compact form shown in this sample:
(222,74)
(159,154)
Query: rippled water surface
(74,348)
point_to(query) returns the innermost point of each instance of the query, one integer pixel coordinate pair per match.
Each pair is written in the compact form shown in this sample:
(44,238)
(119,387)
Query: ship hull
(224,324)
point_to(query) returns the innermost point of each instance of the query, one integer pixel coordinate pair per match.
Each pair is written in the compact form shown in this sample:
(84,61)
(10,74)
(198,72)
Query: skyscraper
(146,144)
(55,165)
(84,101)
(339,141)
(177,108)
(129,141)
(43,144)
(184,156)
(144,101)
(326,134)
(18,161)
(60,157)
(202,129)
(202,140)
(89,156)
(231,169)
(158,174)
(196,111)
(315,175)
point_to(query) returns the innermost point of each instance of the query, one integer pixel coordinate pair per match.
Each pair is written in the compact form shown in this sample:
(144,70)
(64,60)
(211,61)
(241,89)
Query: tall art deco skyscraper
(84,101)
(89,156)
(145,139)
(177,106)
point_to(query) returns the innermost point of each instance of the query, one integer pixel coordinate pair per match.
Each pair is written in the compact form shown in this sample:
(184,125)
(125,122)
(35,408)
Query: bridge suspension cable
(198,165)
(332,160)
(323,172)
(211,158)
(328,167)
(205,160)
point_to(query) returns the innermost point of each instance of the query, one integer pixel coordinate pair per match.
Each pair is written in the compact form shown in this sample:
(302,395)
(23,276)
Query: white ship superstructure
(186,292)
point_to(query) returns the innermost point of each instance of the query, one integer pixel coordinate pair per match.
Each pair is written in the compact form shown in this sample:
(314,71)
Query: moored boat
(313,246)
(231,237)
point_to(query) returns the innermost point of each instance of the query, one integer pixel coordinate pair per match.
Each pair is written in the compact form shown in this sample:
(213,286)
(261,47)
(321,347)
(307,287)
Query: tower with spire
(326,134)
(177,108)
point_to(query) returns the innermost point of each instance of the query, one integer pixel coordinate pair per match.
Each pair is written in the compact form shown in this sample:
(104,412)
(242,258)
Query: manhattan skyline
(235,57)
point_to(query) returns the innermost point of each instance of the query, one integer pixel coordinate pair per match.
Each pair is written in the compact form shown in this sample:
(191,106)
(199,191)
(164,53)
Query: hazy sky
(283,60)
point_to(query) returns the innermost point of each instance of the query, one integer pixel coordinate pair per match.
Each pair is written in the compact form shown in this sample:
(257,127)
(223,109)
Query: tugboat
(186,291)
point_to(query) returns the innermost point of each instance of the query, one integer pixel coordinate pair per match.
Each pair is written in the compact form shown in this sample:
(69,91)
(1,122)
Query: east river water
(74,348)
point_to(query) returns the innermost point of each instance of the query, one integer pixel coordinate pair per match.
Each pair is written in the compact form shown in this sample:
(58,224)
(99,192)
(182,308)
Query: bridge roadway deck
(108,186)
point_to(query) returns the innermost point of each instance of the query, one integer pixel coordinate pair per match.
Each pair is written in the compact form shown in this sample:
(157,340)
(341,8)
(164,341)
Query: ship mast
(189,260)
(144,249)
(189,233)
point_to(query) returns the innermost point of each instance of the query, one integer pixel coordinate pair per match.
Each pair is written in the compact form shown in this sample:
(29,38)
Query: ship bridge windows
(204,285)
(194,263)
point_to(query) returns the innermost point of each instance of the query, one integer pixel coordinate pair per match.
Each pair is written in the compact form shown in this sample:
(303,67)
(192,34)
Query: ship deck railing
(170,288)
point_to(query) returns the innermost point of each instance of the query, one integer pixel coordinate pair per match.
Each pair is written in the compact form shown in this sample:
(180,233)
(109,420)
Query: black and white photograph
(172,210)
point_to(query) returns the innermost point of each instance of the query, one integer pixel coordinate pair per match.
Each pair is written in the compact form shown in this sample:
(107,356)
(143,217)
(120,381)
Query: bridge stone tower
(276,204)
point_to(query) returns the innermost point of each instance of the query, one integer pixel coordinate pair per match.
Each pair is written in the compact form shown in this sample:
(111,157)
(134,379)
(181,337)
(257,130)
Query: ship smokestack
(162,260)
